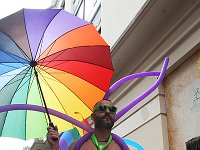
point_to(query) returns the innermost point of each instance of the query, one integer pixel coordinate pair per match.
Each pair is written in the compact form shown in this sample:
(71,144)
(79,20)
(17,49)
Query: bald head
(103,101)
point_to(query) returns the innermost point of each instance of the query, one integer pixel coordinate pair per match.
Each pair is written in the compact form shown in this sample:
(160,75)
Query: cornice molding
(161,48)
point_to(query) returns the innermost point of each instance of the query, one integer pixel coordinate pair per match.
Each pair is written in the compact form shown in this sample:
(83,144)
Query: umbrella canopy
(50,54)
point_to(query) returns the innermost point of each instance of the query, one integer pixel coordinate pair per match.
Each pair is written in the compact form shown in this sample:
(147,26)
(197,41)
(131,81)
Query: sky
(14,144)
(8,7)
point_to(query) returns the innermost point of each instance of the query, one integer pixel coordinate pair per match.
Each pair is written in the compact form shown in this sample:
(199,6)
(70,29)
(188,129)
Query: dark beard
(101,123)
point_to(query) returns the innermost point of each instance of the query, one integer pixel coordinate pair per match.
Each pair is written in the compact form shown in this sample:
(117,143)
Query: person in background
(193,144)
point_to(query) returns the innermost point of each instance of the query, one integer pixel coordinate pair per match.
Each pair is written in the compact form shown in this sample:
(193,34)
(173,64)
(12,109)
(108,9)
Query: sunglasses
(102,108)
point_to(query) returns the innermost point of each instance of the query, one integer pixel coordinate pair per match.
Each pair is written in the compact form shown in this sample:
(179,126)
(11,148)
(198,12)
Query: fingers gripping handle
(52,125)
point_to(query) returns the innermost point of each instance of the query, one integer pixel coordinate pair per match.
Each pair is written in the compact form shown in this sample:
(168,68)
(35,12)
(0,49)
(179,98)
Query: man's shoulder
(87,145)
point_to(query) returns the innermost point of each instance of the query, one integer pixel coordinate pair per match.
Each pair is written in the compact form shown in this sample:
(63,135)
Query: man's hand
(53,133)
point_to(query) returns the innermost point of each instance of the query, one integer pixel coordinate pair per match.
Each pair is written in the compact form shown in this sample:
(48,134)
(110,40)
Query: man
(103,116)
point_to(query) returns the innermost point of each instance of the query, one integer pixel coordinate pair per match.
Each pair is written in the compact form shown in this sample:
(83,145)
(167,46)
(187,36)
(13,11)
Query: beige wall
(146,126)
(150,135)
(182,89)
(121,13)
(176,36)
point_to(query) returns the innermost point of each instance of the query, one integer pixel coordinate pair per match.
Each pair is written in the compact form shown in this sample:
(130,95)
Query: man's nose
(107,110)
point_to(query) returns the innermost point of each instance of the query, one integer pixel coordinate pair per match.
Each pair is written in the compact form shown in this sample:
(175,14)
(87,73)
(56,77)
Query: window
(96,20)
(80,10)
(88,10)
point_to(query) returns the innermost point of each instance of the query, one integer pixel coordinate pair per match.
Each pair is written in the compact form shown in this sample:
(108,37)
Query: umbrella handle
(52,125)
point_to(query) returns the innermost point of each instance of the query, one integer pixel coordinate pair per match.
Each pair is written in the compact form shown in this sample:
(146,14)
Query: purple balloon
(146,93)
(120,142)
(82,140)
(42,109)
(127,78)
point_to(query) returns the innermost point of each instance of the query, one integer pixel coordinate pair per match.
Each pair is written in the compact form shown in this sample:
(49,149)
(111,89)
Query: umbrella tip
(33,63)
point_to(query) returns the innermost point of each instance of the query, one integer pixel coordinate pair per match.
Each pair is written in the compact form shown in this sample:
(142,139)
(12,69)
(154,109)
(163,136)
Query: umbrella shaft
(40,89)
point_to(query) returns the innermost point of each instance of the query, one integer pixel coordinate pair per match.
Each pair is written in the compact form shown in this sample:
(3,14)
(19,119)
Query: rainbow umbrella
(50,58)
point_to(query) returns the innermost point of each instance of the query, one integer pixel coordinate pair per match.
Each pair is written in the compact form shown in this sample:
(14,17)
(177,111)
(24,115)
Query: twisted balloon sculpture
(143,95)
(134,102)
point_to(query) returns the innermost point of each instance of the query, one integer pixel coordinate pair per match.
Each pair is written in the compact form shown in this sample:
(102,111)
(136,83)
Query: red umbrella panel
(54,56)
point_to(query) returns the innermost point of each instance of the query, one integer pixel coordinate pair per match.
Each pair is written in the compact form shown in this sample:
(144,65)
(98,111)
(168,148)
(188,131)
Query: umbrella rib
(28,38)
(71,73)
(54,94)
(23,83)
(63,33)
(51,89)
(13,58)
(74,61)
(46,116)
(22,52)
(41,41)
(42,96)
(14,81)
(46,55)
(78,28)
(39,47)
(62,51)
(68,88)
(32,75)
(2,63)
(10,103)
(3,75)
(30,84)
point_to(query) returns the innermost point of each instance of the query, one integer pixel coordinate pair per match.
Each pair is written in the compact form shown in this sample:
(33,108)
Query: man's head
(104,114)
(193,144)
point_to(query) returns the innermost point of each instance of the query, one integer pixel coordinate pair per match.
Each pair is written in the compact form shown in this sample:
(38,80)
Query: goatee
(105,122)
